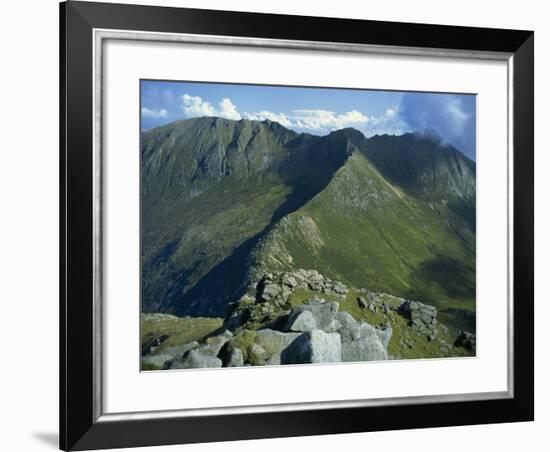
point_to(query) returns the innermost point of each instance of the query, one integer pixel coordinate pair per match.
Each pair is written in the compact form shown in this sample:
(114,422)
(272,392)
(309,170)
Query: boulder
(269,291)
(157,361)
(324,313)
(214,344)
(256,355)
(362,302)
(300,322)
(466,340)
(316,285)
(235,358)
(345,321)
(313,347)
(274,342)
(177,351)
(367,347)
(231,356)
(195,359)
(289,281)
(422,316)
(385,335)
(340,289)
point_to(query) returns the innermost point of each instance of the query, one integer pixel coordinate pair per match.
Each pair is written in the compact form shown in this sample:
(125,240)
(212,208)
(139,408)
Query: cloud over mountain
(450,116)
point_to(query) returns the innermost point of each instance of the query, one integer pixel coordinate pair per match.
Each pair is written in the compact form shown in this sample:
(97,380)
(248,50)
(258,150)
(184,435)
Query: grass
(178,330)
(376,238)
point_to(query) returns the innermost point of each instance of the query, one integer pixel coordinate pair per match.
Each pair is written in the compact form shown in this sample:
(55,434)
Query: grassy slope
(371,234)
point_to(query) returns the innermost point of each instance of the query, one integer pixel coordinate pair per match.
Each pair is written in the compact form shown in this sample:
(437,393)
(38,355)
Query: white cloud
(228,110)
(313,120)
(196,106)
(328,120)
(148,113)
(281,118)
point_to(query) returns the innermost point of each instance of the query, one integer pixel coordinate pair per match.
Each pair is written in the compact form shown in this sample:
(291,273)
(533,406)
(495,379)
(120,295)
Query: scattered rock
(362,302)
(195,359)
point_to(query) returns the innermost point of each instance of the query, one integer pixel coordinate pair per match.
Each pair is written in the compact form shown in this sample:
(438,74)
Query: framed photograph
(281,225)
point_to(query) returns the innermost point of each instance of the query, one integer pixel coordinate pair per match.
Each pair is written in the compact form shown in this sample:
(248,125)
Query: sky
(317,111)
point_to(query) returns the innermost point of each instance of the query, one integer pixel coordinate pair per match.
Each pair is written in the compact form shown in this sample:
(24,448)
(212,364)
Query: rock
(345,321)
(195,359)
(422,316)
(362,302)
(157,361)
(426,318)
(368,347)
(340,289)
(237,319)
(314,275)
(313,347)
(256,355)
(466,340)
(302,321)
(274,342)
(385,335)
(289,281)
(236,358)
(177,351)
(324,313)
(214,344)
(269,292)
(316,285)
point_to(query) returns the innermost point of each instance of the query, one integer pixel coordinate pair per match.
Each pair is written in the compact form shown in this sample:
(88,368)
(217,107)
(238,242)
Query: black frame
(79,429)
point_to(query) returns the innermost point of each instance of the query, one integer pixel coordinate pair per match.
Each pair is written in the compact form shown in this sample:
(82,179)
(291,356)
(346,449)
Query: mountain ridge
(215,191)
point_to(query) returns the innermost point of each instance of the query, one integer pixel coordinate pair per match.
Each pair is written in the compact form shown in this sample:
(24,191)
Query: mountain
(225,201)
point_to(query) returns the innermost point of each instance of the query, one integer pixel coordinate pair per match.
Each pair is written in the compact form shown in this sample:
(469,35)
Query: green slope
(368,232)
(223,200)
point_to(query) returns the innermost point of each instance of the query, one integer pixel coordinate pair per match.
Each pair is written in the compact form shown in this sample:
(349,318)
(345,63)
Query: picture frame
(83,423)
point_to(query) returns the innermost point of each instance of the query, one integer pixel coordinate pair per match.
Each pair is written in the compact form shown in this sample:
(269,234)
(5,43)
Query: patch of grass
(179,330)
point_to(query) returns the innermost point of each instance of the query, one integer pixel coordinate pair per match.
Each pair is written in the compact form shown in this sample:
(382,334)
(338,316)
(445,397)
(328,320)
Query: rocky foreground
(302,317)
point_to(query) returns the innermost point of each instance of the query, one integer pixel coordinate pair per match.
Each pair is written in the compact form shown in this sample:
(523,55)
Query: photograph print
(296,225)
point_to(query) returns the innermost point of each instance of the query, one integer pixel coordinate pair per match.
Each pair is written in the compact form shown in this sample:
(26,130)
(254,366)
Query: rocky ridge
(267,327)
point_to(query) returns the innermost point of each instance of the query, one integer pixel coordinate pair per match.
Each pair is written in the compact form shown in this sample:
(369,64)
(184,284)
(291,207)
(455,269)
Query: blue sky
(316,110)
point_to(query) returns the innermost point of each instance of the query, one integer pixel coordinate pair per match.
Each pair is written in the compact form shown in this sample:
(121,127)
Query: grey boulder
(324,313)
(313,347)
(195,359)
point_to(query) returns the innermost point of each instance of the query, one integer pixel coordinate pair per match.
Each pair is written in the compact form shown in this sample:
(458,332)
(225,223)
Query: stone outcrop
(268,327)
(423,317)
(466,340)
